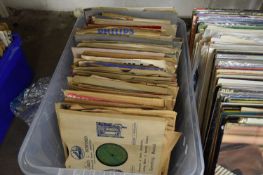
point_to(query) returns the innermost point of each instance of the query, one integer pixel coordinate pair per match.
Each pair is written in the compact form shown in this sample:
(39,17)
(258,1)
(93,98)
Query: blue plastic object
(15,76)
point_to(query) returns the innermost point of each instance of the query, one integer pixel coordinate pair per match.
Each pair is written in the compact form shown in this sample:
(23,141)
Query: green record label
(111,154)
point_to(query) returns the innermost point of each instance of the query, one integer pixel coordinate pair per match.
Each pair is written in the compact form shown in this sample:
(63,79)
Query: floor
(44,35)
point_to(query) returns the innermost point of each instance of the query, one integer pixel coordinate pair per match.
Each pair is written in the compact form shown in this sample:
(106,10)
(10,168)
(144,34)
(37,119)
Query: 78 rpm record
(111,154)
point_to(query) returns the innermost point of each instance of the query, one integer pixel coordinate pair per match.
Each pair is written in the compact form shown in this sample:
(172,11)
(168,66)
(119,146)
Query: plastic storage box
(15,75)
(42,151)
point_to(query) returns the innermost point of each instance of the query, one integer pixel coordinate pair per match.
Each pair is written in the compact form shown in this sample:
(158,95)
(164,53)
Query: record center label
(111,154)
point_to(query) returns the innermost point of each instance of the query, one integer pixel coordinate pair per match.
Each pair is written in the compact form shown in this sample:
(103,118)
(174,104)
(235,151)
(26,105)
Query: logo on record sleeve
(77,152)
(109,129)
(115,31)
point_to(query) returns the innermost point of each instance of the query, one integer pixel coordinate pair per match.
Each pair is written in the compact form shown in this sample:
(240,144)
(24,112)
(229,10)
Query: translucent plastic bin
(42,152)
